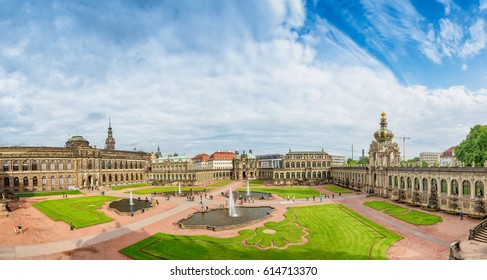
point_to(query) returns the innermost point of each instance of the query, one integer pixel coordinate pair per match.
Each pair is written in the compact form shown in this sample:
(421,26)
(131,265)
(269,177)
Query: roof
(77,138)
(201,157)
(449,152)
(172,158)
(222,156)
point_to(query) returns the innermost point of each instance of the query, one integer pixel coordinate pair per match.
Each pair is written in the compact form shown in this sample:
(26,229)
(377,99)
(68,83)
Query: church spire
(110,142)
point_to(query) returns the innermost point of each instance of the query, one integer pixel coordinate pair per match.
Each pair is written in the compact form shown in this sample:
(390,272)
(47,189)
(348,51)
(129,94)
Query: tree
(474,147)
(351,162)
(363,160)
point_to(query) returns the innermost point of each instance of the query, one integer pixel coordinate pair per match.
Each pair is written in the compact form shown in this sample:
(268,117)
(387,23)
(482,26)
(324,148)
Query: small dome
(383,134)
(77,141)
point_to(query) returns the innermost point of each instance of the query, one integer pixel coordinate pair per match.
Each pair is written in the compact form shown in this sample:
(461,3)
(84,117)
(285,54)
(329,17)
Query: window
(479,189)
(114,165)
(52,165)
(5,165)
(454,187)
(70,180)
(44,181)
(69,165)
(60,165)
(34,182)
(102,164)
(409,183)
(444,186)
(53,181)
(61,181)
(287,164)
(466,187)
(43,165)
(109,165)
(34,165)
(16,166)
(90,164)
(6,182)
(25,166)
(425,184)
(314,163)
(25,182)
(16,182)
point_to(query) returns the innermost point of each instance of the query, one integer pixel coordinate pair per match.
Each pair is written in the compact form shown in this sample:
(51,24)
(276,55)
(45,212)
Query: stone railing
(476,229)
(455,251)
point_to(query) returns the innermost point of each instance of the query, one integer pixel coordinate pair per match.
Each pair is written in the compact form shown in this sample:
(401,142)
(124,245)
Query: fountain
(179,188)
(232,211)
(131,203)
(248,188)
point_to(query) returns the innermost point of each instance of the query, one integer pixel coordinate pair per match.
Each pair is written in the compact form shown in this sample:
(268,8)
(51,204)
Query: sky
(200,76)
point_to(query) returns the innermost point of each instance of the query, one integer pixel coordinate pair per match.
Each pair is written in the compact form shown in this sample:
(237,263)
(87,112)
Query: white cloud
(447,4)
(464,67)
(477,40)
(483,5)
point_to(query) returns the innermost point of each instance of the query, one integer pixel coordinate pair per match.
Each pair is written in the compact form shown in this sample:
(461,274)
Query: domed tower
(110,142)
(383,152)
(383,134)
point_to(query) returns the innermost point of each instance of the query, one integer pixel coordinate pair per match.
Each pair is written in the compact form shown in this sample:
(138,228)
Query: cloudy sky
(200,76)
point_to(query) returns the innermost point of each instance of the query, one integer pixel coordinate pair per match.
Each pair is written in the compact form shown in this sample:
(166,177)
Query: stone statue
(485,163)
(473,163)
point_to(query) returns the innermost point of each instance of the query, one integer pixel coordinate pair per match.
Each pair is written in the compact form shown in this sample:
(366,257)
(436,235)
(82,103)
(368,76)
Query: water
(179,188)
(232,211)
(131,203)
(248,188)
(124,207)
(220,217)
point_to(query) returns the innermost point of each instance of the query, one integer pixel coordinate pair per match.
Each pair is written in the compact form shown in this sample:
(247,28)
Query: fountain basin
(122,206)
(218,219)
(255,195)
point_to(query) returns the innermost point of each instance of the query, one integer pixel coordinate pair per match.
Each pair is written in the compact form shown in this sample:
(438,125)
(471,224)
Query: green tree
(363,160)
(424,163)
(474,147)
(351,162)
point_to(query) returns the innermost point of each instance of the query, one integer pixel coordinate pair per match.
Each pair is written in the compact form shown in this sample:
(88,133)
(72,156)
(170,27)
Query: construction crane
(404,138)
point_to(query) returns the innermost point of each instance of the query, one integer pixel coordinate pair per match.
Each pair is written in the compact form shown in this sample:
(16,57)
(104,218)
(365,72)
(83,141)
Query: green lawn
(46,193)
(335,233)
(81,212)
(337,189)
(255,183)
(167,189)
(411,216)
(117,188)
(221,183)
(284,192)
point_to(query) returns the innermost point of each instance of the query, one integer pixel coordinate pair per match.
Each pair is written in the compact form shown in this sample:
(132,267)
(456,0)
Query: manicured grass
(81,212)
(411,216)
(337,189)
(117,188)
(335,233)
(47,193)
(167,189)
(220,184)
(256,183)
(284,192)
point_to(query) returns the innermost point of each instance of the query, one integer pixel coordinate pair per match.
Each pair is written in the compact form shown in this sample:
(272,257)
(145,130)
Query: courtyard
(337,227)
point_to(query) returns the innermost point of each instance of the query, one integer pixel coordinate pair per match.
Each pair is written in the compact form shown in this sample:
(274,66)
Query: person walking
(461,215)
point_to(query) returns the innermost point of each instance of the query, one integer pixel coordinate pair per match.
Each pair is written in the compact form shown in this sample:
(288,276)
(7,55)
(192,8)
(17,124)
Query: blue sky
(201,76)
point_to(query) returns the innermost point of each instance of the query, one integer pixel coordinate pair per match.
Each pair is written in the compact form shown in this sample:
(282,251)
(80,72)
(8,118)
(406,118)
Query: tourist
(288,198)
(19,229)
(294,199)
(71,227)
(314,198)
(321,199)
(307,198)
(461,215)
(132,214)
(332,195)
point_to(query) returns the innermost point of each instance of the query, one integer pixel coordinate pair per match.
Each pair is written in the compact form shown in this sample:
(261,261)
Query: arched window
(434,185)
(110,178)
(454,187)
(396,182)
(425,185)
(479,189)
(25,182)
(409,183)
(90,164)
(61,181)
(287,164)
(309,164)
(52,165)
(314,174)
(319,163)
(70,180)
(390,181)
(115,164)
(16,166)
(102,164)
(43,165)
(25,165)
(109,165)
(416,184)
(116,177)
(444,186)
(309,175)
(69,166)
(6,182)
(53,181)
(34,165)
(298,165)
(6,165)
(16,182)
(466,188)
(402,182)
(44,181)
(131,165)
(60,165)
(104,178)
(132,176)
(35,182)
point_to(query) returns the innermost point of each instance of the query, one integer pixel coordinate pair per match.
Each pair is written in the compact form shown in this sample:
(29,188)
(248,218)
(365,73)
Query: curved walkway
(26,251)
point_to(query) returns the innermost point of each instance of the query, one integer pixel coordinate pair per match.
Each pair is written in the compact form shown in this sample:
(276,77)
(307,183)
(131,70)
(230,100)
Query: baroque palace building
(451,189)
(76,165)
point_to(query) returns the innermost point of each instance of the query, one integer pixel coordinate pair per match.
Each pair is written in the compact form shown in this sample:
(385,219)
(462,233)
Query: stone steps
(481,236)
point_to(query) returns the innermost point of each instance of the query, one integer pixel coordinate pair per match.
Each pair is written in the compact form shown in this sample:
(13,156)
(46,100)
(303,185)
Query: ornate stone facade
(77,165)
(446,188)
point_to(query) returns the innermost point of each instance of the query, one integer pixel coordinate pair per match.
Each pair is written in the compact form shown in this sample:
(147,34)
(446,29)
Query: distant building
(338,160)
(200,162)
(270,161)
(221,160)
(431,158)
(447,158)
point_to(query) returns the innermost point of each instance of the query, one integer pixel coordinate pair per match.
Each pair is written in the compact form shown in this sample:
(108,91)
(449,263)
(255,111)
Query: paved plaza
(46,239)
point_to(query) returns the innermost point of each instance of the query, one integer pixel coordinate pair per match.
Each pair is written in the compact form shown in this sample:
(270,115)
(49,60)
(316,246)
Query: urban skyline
(267,76)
